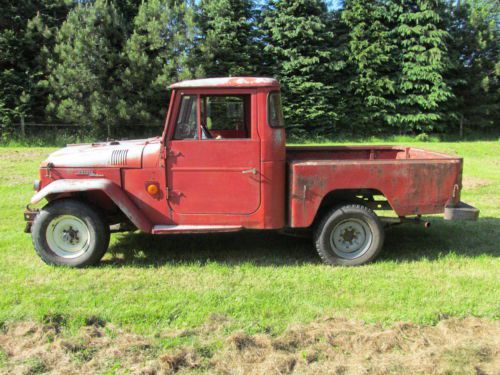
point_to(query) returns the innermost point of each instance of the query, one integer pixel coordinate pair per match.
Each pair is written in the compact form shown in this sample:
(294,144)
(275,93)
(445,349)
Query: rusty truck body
(222,165)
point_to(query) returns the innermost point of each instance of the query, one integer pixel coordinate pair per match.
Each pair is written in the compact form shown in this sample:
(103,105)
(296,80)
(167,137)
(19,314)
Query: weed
(3,358)
(36,366)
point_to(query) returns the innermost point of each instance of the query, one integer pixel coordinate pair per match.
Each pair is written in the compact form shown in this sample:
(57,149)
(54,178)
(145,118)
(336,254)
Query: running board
(173,229)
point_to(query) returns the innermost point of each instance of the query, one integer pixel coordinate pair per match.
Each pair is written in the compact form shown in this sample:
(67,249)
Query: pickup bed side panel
(412,187)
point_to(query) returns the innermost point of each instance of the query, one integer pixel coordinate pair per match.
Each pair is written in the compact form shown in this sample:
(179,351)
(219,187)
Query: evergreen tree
(87,69)
(299,40)
(26,41)
(371,57)
(228,44)
(473,75)
(369,67)
(158,53)
(128,9)
(421,90)
(342,74)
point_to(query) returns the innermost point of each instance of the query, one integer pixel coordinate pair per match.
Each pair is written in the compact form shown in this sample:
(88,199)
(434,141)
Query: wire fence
(27,129)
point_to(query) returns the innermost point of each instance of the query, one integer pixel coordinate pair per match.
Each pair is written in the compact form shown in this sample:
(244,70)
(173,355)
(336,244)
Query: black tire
(95,231)
(364,232)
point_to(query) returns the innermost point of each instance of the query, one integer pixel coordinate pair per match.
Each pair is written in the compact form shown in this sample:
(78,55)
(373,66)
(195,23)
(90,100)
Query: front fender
(112,190)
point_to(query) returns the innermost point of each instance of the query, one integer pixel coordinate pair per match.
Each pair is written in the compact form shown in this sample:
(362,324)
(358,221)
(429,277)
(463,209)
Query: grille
(118,157)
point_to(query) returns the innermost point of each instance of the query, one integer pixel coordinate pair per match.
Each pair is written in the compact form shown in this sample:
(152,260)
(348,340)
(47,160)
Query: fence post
(461,129)
(23,126)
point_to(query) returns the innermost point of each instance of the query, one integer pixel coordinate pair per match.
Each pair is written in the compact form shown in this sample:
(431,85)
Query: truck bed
(414,181)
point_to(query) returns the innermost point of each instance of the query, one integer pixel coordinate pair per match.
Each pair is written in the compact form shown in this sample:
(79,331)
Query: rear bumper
(461,211)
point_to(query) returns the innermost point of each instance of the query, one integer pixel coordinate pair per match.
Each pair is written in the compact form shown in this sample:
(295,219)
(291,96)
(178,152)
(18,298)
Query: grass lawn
(259,282)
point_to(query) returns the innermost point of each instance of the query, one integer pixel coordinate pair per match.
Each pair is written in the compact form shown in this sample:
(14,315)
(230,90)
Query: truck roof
(225,82)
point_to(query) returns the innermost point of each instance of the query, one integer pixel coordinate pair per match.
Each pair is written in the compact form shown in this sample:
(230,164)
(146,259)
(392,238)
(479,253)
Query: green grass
(262,280)
(3,358)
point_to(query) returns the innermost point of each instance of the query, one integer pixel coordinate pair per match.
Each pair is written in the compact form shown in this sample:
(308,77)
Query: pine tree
(474,70)
(27,38)
(299,40)
(158,53)
(228,44)
(371,58)
(128,9)
(86,72)
(421,90)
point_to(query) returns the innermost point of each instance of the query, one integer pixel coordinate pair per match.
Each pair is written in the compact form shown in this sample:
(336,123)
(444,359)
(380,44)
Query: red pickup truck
(221,165)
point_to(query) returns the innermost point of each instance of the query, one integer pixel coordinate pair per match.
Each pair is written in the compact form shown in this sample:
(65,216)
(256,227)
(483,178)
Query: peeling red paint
(231,82)
(414,183)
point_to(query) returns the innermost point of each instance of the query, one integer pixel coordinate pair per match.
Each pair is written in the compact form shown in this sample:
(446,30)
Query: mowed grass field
(195,292)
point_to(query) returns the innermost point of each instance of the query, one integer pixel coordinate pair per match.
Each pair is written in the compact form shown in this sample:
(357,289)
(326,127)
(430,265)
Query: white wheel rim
(351,238)
(68,236)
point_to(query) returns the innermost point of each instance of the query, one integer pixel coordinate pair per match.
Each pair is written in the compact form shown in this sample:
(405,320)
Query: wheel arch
(364,196)
(82,189)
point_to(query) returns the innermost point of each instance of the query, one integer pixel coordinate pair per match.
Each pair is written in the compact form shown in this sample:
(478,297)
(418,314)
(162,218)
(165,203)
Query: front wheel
(70,233)
(349,235)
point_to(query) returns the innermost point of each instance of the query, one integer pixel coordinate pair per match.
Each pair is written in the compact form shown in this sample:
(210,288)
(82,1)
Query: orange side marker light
(152,189)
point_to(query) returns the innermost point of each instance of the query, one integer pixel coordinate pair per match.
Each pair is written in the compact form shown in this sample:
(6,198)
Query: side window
(274,110)
(186,126)
(225,116)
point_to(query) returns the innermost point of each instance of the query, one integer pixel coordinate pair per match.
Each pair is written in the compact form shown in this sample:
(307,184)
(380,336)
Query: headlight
(36,185)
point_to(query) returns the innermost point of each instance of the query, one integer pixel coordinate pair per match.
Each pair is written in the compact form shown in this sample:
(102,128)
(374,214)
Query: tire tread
(68,204)
(328,258)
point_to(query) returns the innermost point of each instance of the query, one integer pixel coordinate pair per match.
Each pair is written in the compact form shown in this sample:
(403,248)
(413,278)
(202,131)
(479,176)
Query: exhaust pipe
(389,221)
(417,220)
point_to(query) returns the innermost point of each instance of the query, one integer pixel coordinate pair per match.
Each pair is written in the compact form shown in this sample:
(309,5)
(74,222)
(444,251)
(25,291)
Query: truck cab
(225,154)
(222,165)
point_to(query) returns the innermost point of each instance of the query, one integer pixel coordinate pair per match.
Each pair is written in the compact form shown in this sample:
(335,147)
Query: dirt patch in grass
(333,346)
(23,155)
(474,182)
(16,180)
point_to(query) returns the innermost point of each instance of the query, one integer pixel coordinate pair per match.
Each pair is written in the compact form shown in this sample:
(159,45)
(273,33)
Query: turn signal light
(152,189)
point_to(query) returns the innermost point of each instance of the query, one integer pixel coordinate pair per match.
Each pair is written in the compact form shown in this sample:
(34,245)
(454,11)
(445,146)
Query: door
(213,161)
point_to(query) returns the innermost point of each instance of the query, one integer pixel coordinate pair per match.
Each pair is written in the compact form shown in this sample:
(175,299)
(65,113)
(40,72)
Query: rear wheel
(70,233)
(349,235)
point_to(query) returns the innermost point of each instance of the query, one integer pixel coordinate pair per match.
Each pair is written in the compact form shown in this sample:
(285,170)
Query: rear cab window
(274,111)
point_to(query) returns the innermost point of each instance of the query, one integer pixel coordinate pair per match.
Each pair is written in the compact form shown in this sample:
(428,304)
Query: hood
(100,155)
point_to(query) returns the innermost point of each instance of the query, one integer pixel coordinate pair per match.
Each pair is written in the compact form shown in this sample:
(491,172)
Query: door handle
(174,154)
(252,171)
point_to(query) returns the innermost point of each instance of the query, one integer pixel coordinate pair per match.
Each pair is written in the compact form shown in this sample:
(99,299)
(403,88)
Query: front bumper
(461,211)
(29,217)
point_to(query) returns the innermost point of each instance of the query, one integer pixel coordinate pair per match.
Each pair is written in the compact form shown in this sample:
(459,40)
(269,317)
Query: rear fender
(112,190)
